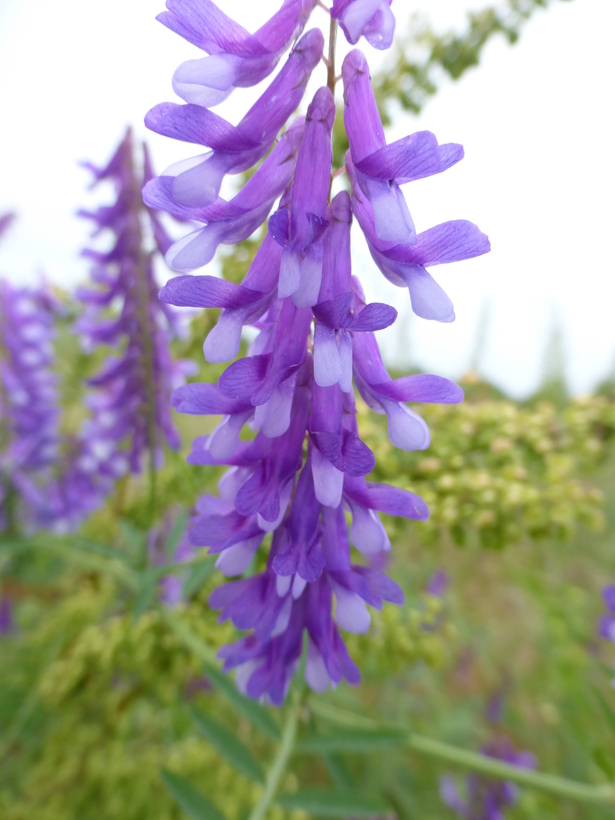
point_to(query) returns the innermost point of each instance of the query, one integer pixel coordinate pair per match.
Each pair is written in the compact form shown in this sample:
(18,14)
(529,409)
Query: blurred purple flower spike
(485,798)
(306,469)
(29,408)
(606,623)
(438,583)
(132,389)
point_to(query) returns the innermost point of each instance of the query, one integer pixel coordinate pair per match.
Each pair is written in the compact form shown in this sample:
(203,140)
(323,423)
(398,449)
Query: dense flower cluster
(301,479)
(486,798)
(130,413)
(29,414)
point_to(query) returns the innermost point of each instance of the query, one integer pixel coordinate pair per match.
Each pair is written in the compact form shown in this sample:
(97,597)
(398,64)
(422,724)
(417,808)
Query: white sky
(535,121)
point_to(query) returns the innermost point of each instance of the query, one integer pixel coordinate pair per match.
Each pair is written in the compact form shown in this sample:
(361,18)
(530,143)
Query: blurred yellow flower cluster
(500,471)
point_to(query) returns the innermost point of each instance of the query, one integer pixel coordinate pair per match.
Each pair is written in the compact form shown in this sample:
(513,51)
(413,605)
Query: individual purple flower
(304,475)
(372,19)
(485,798)
(29,409)
(227,222)
(237,58)
(405,265)
(380,168)
(196,182)
(131,414)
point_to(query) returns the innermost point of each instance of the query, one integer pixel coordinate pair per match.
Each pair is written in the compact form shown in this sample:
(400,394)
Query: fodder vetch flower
(298,489)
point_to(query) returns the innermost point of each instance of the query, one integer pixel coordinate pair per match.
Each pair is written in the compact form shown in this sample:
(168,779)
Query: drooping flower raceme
(484,799)
(298,489)
(29,411)
(130,413)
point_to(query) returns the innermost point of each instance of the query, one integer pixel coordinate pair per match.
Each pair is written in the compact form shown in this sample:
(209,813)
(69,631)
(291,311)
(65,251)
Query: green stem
(280,761)
(475,761)
(331,81)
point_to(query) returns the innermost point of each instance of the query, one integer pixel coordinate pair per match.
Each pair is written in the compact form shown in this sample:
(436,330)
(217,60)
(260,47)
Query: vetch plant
(129,398)
(294,484)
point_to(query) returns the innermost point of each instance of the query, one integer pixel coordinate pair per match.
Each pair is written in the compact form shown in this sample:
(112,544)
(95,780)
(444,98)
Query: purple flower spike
(130,407)
(197,181)
(372,19)
(237,58)
(380,168)
(299,226)
(29,410)
(303,476)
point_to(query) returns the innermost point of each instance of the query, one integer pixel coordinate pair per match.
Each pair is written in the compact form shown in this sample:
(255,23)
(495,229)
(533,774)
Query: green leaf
(102,549)
(135,540)
(245,706)
(148,583)
(179,527)
(188,798)
(352,740)
(608,710)
(334,803)
(198,575)
(338,771)
(227,745)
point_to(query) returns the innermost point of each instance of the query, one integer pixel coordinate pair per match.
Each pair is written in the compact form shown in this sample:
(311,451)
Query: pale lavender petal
(328,480)
(350,610)
(224,339)
(392,218)
(316,673)
(407,430)
(235,559)
(327,361)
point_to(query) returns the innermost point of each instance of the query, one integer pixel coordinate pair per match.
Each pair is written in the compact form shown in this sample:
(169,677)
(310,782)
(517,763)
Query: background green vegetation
(96,692)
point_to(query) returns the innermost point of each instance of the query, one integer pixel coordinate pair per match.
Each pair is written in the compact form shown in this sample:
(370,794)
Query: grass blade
(251,710)
(227,745)
(188,798)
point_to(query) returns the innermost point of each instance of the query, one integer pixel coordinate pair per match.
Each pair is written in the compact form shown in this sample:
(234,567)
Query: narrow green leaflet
(188,798)
(179,526)
(338,771)
(227,745)
(248,708)
(134,539)
(148,583)
(334,803)
(198,575)
(608,710)
(95,547)
(352,740)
